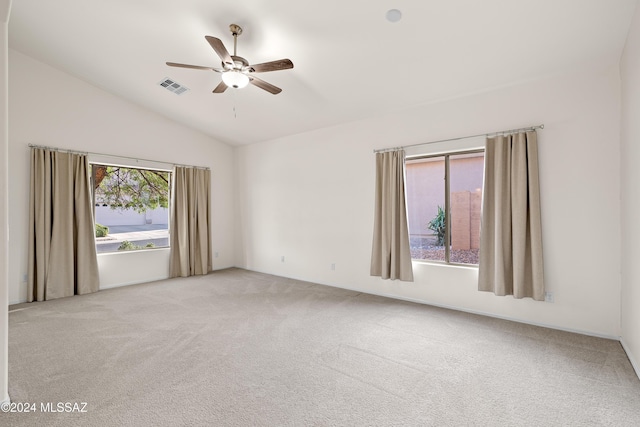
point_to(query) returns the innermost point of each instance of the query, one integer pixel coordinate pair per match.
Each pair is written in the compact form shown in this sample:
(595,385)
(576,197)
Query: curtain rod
(65,150)
(461,137)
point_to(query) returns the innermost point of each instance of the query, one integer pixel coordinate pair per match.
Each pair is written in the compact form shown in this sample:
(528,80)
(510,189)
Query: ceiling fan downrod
(236,30)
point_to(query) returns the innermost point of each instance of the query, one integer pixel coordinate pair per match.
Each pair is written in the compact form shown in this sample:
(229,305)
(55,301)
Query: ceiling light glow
(235,79)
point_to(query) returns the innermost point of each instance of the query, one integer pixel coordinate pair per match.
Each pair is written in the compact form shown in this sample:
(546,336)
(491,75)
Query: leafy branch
(129,188)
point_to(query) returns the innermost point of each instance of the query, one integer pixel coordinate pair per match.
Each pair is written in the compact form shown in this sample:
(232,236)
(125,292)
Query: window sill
(445,264)
(133,251)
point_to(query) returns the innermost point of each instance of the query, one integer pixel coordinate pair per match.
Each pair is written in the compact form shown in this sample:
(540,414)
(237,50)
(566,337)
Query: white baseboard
(448,307)
(497,316)
(130,283)
(634,363)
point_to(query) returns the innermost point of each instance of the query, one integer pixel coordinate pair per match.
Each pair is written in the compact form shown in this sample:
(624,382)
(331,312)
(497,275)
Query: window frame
(99,162)
(447,202)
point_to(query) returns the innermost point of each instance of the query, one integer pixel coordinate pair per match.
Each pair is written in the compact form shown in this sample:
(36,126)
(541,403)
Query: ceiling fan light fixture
(235,79)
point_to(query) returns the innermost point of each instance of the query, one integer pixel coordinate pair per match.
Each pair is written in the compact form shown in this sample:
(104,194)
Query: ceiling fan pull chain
(235,112)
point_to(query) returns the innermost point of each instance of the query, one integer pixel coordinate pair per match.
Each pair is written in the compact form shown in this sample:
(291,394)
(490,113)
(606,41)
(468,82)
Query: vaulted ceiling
(350,62)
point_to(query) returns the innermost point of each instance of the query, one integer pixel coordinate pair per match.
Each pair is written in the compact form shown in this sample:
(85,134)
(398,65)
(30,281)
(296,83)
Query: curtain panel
(391,253)
(62,249)
(190,231)
(511,231)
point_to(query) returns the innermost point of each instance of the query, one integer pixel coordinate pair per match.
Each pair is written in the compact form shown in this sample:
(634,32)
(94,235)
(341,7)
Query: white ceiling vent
(172,86)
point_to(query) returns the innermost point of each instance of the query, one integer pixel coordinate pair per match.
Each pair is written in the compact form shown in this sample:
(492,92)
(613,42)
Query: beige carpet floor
(238,348)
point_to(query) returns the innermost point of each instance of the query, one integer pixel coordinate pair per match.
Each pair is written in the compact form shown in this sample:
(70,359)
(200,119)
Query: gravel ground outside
(426,248)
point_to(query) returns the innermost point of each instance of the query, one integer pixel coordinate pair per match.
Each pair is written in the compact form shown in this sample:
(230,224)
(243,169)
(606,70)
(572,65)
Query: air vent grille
(172,86)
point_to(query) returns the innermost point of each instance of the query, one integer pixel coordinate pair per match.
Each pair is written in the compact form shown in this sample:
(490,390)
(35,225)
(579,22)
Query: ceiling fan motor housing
(239,63)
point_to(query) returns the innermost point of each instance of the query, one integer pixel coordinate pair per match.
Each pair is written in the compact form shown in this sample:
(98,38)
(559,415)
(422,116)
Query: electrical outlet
(215,255)
(333,266)
(548,296)
(282,258)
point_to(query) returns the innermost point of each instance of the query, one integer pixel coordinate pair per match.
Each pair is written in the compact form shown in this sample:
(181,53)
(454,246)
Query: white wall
(49,107)
(630,152)
(127,268)
(5,6)
(309,198)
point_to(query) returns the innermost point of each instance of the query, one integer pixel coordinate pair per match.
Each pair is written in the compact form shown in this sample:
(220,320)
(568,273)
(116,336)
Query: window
(131,207)
(444,198)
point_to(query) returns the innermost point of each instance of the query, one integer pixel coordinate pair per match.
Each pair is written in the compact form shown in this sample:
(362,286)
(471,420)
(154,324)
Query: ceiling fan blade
(195,67)
(280,64)
(264,85)
(220,88)
(222,51)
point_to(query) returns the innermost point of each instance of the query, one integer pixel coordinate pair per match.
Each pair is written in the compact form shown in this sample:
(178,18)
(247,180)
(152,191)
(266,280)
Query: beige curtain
(391,254)
(190,222)
(62,249)
(511,232)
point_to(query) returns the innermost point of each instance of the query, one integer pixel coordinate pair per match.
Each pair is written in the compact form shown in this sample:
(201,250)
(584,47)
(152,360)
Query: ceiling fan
(236,71)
